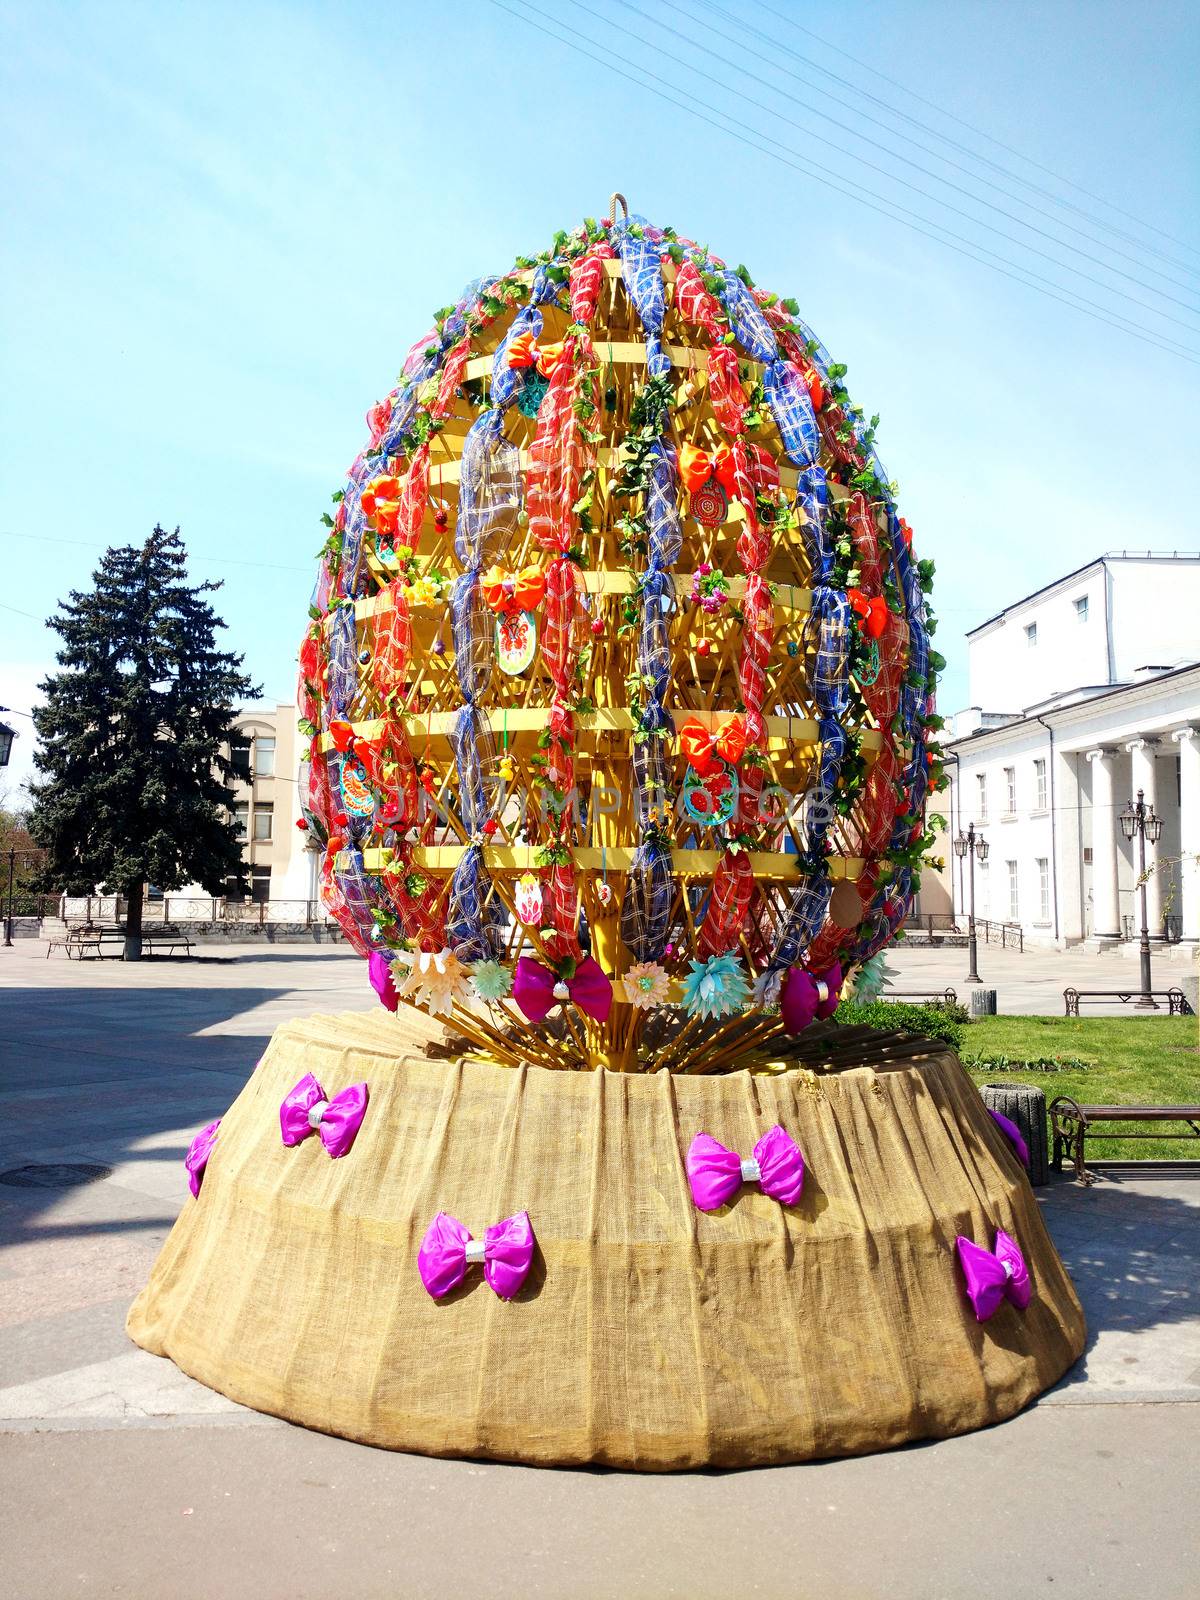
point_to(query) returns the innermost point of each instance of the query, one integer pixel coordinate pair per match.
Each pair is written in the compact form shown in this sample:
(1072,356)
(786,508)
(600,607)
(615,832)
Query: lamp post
(1139,822)
(12,861)
(971,844)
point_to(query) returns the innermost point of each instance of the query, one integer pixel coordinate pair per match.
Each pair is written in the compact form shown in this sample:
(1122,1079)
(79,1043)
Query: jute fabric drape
(648,1334)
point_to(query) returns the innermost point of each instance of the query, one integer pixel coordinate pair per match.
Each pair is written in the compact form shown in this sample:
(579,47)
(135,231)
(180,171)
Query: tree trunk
(133,921)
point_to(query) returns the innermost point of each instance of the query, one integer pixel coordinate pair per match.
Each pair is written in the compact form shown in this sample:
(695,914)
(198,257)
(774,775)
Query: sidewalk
(120,1476)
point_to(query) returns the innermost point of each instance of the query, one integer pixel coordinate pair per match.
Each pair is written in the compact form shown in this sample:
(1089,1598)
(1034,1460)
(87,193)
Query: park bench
(1071,1123)
(937,997)
(1176,1002)
(165,937)
(89,937)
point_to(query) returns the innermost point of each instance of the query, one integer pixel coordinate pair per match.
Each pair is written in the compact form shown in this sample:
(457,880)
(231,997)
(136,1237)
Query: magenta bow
(1011,1132)
(198,1153)
(447,1249)
(537,991)
(994,1276)
(806,995)
(379,970)
(716,1173)
(307,1111)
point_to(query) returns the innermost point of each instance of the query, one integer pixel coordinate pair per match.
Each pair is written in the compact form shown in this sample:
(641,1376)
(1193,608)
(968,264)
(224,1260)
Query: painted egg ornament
(528,443)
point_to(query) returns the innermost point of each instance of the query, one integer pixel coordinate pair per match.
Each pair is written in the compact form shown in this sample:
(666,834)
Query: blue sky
(224,225)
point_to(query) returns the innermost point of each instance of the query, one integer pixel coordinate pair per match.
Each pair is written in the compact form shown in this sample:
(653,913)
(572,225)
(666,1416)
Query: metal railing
(931,922)
(177,908)
(1008,935)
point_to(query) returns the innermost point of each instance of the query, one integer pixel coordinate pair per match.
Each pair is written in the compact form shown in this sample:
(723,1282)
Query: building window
(981,780)
(264,757)
(1010,791)
(1014,904)
(1081,608)
(241,816)
(1043,866)
(1039,784)
(264,817)
(239,755)
(1087,855)
(260,885)
(1031,633)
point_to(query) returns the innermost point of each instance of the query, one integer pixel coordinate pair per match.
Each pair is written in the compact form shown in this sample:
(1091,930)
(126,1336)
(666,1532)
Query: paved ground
(1032,983)
(120,1476)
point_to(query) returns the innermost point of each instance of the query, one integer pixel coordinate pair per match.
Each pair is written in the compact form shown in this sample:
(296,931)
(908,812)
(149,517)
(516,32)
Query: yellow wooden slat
(630,353)
(790,597)
(778,866)
(782,732)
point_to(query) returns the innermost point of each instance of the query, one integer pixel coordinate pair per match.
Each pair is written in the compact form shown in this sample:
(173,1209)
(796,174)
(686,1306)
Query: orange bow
(872,614)
(696,466)
(525,352)
(513,591)
(706,748)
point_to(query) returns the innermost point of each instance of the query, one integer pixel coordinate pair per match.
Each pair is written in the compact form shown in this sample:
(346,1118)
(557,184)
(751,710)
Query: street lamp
(7,736)
(1139,822)
(972,844)
(8,921)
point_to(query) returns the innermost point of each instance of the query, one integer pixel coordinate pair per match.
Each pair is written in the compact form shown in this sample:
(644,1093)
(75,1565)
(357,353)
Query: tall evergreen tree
(134,731)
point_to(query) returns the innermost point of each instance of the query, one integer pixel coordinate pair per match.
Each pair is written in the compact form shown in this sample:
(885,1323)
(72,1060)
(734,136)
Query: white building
(1083,693)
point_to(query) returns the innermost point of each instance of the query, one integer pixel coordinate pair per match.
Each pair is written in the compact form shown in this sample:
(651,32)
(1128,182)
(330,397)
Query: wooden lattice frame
(702,686)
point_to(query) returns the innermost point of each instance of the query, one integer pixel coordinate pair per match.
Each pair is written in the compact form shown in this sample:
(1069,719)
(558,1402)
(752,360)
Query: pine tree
(134,731)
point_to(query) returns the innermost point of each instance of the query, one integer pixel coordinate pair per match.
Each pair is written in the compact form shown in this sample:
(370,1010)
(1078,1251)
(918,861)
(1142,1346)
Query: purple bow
(447,1249)
(1010,1130)
(994,1276)
(198,1153)
(307,1111)
(379,970)
(806,995)
(537,990)
(716,1174)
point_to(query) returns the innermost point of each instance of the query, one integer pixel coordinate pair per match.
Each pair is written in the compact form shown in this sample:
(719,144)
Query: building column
(1144,753)
(1106,916)
(1188,740)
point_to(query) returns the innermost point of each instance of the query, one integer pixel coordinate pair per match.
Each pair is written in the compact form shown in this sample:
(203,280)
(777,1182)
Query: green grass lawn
(1130,1060)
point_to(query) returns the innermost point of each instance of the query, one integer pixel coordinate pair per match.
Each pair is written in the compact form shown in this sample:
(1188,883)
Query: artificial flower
(646,985)
(379,492)
(871,980)
(872,613)
(491,981)
(716,987)
(437,981)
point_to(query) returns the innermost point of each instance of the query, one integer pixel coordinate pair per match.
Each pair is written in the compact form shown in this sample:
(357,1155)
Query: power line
(963,123)
(879,203)
(192,555)
(958,188)
(936,154)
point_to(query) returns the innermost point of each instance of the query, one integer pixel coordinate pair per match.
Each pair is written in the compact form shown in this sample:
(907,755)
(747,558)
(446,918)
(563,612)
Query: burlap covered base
(648,1334)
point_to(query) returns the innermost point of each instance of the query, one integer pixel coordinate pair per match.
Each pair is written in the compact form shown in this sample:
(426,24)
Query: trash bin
(1026,1106)
(983,1002)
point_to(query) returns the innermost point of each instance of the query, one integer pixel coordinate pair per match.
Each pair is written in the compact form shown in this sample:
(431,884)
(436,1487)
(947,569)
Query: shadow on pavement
(1134,1257)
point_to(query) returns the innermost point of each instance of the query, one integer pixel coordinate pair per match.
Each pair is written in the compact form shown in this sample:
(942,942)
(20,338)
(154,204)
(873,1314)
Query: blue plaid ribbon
(641,270)
(343,662)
